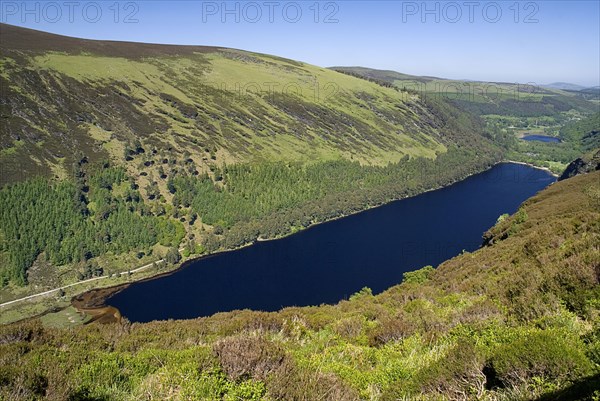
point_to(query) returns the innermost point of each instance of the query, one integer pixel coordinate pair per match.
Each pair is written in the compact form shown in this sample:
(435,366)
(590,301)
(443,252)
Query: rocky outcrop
(582,165)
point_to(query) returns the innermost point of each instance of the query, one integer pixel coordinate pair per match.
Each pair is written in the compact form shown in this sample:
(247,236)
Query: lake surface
(541,138)
(331,261)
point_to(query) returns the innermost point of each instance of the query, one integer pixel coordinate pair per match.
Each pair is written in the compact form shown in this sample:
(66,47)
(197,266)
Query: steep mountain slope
(585,164)
(516,320)
(63,97)
(115,154)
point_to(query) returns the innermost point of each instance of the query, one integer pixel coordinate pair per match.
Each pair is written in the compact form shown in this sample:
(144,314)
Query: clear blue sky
(526,42)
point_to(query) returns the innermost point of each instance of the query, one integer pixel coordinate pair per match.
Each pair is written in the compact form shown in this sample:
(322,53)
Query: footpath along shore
(52,291)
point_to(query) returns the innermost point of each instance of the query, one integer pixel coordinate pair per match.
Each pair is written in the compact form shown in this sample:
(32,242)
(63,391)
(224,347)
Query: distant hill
(587,93)
(592,93)
(382,75)
(564,86)
(593,89)
(485,98)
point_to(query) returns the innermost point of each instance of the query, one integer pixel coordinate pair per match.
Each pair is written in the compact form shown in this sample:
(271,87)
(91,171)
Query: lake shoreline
(529,137)
(331,259)
(102,294)
(546,169)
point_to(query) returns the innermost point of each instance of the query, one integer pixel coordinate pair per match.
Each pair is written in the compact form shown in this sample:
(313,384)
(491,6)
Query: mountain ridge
(19,38)
(221,105)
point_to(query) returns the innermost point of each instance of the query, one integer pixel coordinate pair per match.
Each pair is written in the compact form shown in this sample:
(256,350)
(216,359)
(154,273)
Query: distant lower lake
(541,138)
(331,261)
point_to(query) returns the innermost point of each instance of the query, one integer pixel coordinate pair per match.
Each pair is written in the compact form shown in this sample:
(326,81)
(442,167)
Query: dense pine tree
(57,218)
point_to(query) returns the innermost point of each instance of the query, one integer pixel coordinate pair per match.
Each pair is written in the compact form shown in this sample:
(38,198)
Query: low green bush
(553,355)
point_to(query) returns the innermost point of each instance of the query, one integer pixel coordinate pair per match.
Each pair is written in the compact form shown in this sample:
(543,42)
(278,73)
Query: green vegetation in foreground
(516,320)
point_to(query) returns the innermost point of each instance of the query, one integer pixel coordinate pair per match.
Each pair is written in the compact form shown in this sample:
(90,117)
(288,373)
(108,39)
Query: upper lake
(541,138)
(331,261)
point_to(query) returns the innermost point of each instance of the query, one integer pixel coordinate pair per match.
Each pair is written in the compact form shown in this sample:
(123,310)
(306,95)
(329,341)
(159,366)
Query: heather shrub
(553,355)
(243,357)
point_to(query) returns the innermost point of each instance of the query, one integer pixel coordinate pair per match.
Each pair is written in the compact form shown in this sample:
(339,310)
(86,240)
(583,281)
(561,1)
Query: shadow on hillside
(580,390)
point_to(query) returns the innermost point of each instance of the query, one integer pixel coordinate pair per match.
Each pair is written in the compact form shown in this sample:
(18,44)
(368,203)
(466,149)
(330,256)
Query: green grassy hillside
(116,154)
(64,96)
(516,320)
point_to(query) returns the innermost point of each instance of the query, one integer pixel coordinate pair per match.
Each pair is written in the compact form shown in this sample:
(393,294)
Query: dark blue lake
(331,261)
(541,138)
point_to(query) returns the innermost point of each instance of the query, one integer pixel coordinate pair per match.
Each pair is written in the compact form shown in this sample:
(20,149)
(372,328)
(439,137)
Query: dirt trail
(79,283)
